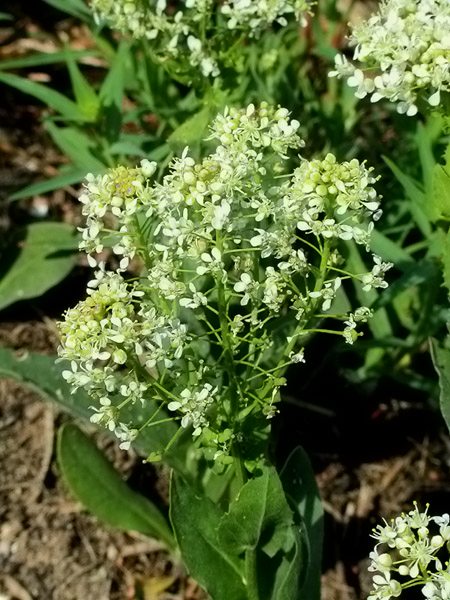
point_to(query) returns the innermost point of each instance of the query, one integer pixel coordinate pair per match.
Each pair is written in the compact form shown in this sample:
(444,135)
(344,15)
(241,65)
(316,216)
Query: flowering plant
(403,53)
(224,270)
(237,261)
(198,37)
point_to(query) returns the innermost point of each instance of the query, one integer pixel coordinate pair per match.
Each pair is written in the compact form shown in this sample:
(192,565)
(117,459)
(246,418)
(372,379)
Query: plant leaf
(441,361)
(420,208)
(38,59)
(77,146)
(53,99)
(194,520)
(260,528)
(65,178)
(191,131)
(93,481)
(87,100)
(302,493)
(42,258)
(76,8)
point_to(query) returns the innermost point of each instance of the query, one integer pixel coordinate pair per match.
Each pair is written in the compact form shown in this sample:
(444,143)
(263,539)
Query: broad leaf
(40,260)
(440,193)
(195,519)
(93,481)
(260,528)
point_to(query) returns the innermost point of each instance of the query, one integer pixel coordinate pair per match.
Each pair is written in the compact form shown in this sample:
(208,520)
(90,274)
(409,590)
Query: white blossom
(402,53)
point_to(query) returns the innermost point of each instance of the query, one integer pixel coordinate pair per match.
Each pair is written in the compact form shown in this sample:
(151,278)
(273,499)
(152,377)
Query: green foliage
(441,360)
(252,551)
(93,481)
(302,494)
(42,255)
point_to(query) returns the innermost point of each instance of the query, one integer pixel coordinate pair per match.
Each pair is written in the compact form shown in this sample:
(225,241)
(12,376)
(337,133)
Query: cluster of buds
(237,259)
(410,551)
(402,53)
(197,35)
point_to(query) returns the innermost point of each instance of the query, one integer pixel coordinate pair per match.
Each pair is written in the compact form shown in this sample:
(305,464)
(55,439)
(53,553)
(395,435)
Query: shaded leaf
(303,495)
(38,59)
(420,208)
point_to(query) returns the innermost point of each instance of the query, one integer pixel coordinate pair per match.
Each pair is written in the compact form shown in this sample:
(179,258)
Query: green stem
(303,323)
(251,574)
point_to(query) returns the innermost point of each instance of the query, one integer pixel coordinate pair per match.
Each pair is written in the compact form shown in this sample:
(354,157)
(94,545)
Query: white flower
(407,41)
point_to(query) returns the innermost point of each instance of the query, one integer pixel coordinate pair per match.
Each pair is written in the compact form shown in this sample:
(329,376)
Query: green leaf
(87,100)
(195,519)
(420,208)
(65,178)
(260,529)
(41,259)
(440,192)
(389,250)
(113,86)
(77,146)
(43,375)
(303,496)
(444,238)
(441,361)
(93,481)
(53,99)
(191,131)
(76,8)
(260,507)
(39,59)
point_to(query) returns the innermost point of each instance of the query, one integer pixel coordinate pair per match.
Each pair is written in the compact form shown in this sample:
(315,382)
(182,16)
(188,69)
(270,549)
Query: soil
(372,456)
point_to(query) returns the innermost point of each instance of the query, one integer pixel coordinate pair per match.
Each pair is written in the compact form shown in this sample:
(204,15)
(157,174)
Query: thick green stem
(251,574)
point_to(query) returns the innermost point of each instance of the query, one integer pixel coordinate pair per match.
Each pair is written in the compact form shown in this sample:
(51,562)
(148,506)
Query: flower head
(402,53)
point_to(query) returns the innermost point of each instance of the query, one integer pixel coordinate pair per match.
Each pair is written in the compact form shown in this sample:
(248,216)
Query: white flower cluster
(406,555)
(258,14)
(184,32)
(232,248)
(403,53)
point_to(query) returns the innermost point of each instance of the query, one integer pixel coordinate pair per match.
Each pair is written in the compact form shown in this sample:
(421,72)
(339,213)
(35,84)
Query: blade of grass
(53,99)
